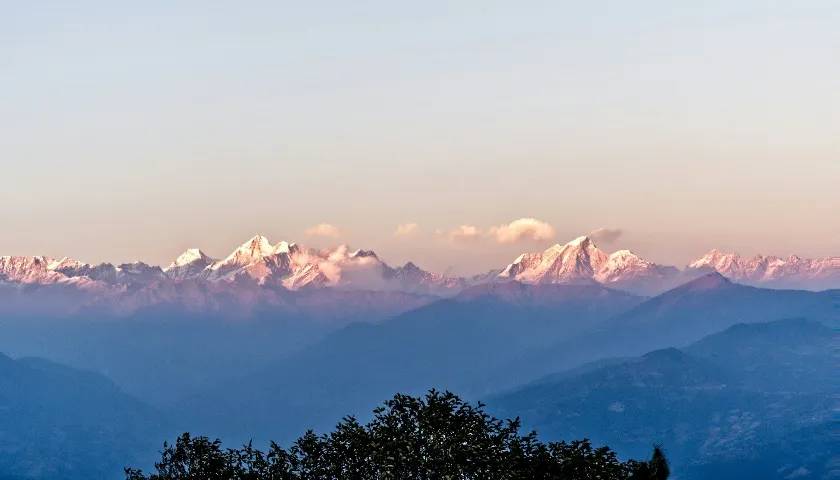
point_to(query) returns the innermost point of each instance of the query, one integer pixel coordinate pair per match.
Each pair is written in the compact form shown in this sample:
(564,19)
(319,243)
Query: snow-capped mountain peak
(256,259)
(189,264)
(581,261)
(258,246)
(191,255)
(623,267)
(581,241)
(714,258)
(576,261)
(254,249)
(286,247)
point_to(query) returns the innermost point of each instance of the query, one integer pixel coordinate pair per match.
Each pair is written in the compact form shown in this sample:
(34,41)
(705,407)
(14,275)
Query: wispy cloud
(323,230)
(605,236)
(406,229)
(464,233)
(523,229)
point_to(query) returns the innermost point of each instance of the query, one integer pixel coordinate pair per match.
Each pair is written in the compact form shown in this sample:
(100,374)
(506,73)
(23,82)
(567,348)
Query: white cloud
(523,229)
(323,230)
(464,233)
(605,236)
(406,229)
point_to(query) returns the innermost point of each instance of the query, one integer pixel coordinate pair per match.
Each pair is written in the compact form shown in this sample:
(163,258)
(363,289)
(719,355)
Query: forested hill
(437,436)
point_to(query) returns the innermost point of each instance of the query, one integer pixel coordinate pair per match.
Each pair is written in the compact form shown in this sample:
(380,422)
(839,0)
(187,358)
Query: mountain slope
(178,339)
(681,316)
(724,407)
(495,335)
(61,423)
(712,303)
(451,343)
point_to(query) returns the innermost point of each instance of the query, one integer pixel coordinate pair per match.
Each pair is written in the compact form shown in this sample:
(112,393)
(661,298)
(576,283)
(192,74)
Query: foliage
(437,436)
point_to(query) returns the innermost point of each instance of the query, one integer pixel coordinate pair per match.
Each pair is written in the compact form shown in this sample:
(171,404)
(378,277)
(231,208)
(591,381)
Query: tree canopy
(437,436)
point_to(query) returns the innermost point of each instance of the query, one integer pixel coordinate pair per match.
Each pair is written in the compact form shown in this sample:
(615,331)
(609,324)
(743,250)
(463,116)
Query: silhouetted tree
(437,436)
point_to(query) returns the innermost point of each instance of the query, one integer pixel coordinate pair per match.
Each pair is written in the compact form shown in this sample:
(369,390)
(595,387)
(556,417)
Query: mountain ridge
(290,266)
(741,398)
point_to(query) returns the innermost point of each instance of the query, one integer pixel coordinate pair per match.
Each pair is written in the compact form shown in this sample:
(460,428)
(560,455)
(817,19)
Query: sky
(420,130)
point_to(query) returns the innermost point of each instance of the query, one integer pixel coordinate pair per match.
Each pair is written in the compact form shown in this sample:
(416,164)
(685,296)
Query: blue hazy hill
(57,423)
(451,344)
(755,400)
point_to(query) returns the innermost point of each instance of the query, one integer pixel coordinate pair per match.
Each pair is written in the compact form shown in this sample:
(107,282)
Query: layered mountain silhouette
(493,337)
(685,314)
(452,343)
(747,402)
(59,422)
(268,361)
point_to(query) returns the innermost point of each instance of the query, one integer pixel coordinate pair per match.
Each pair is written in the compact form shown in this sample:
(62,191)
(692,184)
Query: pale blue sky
(136,130)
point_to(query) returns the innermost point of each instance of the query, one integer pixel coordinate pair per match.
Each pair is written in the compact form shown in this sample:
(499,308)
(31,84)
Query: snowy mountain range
(771,271)
(255,262)
(290,267)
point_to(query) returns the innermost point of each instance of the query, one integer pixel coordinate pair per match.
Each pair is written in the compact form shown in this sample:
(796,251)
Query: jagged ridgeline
(260,272)
(437,436)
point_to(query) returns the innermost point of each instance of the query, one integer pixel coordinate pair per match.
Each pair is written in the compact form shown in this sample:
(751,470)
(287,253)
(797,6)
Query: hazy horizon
(467,137)
(135,133)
